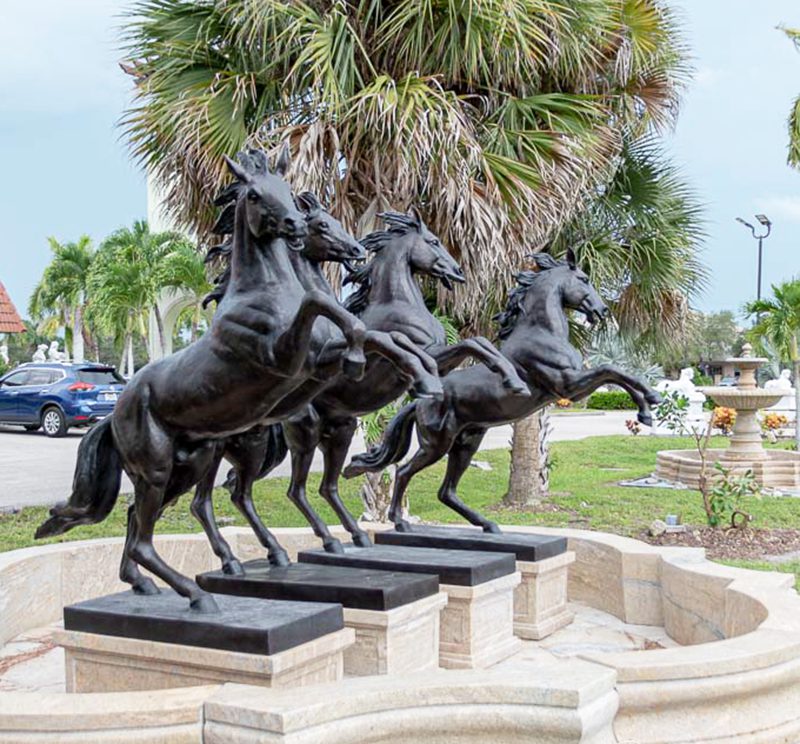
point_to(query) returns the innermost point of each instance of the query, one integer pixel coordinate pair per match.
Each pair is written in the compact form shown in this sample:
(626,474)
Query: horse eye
(323,226)
(252,196)
(585,279)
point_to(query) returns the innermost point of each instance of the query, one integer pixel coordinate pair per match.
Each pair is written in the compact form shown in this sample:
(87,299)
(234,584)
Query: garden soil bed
(745,544)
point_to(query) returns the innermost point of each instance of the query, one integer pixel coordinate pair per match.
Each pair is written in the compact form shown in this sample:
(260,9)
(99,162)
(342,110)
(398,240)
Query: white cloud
(60,56)
(707,77)
(780,207)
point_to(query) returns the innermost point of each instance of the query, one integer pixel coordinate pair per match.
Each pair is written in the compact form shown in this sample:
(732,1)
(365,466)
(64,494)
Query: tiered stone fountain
(772,468)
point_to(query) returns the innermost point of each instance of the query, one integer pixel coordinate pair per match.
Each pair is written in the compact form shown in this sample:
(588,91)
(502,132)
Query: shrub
(724,419)
(613,400)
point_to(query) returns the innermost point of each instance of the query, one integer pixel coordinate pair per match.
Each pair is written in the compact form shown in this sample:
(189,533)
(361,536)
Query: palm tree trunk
(160,326)
(129,345)
(528,481)
(797,403)
(77,334)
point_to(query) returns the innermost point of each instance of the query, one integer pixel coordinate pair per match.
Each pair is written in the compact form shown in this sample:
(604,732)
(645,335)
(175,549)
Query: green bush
(613,400)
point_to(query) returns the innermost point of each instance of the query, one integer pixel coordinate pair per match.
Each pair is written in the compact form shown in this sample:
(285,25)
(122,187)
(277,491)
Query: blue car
(55,396)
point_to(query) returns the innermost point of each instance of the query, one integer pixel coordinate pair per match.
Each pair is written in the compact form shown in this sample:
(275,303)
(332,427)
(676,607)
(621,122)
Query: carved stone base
(478,624)
(540,601)
(102,663)
(398,641)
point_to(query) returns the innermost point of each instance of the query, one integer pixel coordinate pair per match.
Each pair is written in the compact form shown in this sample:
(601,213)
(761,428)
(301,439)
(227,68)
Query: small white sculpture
(684,386)
(4,353)
(54,355)
(783,383)
(40,355)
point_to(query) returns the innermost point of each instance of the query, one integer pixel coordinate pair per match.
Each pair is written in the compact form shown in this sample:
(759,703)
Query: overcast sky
(65,171)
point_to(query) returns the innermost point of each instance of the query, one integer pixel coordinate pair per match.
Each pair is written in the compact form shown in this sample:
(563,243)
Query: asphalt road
(35,470)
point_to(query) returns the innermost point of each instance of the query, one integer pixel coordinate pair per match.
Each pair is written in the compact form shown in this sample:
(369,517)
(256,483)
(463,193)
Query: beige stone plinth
(477,629)
(101,663)
(398,641)
(540,601)
(565,702)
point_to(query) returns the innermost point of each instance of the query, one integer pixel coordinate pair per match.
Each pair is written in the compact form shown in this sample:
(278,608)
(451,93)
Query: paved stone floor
(38,471)
(31,662)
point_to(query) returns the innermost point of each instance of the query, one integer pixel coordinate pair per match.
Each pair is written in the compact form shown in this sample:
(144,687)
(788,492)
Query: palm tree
(794,115)
(778,323)
(132,268)
(497,118)
(59,299)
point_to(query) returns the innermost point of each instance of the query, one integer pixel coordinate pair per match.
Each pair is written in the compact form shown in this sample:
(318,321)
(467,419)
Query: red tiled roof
(10,322)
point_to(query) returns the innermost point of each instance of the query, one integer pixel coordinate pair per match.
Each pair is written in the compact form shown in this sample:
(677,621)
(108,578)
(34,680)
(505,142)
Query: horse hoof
(353,366)
(279,558)
(645,418)
(233,568)
(361,540)
(427,388)
(492,528)
(205,603)
(333,546)
(401,525)
(145,586)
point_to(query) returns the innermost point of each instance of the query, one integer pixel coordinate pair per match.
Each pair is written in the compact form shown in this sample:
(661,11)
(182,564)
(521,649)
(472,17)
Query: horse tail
(95,487)
(275,451)
(391,449)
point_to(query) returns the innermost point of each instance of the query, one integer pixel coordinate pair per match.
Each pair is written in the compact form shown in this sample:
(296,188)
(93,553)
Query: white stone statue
(4,353)
(40,355)
(787,404)
(684,385)
(54,355)
(782,383)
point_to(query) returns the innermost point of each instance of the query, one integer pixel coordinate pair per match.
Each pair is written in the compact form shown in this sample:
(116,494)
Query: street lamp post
(764,220)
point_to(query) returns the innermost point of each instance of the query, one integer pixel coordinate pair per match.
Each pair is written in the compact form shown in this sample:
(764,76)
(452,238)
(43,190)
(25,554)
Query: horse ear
(308,202)
(572,261)
(413,212)
(236,169)
(284,160)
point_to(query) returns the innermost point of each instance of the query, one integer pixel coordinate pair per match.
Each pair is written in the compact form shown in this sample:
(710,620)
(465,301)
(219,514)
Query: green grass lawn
(584,494)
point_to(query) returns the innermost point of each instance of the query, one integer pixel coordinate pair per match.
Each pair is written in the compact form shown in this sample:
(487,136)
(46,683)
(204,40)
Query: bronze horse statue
(390,302)
(259,449)
(268,337)
(535,338)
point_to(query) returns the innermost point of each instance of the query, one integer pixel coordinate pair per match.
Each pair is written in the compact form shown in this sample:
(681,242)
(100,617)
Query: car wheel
(32,427)
(54,423)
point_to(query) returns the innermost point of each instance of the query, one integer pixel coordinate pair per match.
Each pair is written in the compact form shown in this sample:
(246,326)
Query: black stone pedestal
(524,546)
(243,624)
(355,588)
(457,567)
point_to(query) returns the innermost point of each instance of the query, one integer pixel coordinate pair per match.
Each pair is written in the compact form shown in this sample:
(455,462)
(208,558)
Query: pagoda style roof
(10,322)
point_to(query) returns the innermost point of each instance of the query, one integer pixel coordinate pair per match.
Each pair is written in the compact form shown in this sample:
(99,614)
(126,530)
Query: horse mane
(399,224)
(507,319)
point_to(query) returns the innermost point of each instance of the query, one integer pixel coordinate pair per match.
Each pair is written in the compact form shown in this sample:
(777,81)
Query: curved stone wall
(736,678)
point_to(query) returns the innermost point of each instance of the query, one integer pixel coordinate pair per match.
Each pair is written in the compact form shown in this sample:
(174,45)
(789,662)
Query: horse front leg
(412,362)
(202,508)
(480,349)
(579,383)
(292,347)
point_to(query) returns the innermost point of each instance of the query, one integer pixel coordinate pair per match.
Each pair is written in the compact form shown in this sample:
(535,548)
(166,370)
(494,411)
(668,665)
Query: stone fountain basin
(735,676)
(745,399)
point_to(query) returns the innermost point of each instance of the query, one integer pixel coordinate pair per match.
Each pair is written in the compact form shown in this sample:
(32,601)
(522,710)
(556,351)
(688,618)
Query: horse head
(327,240)
(577,292)
(266,198)
(423,251)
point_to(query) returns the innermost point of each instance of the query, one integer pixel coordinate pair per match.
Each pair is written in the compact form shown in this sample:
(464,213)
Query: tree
(778,322)
(132,267)
(498,119)
(60,297)
(794,116)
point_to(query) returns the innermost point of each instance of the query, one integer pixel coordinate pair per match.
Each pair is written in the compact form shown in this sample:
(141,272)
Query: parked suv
(54,396)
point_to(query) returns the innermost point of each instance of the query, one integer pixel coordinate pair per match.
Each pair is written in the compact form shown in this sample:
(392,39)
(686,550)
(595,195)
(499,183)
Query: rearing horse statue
(265,341)
(535,333)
